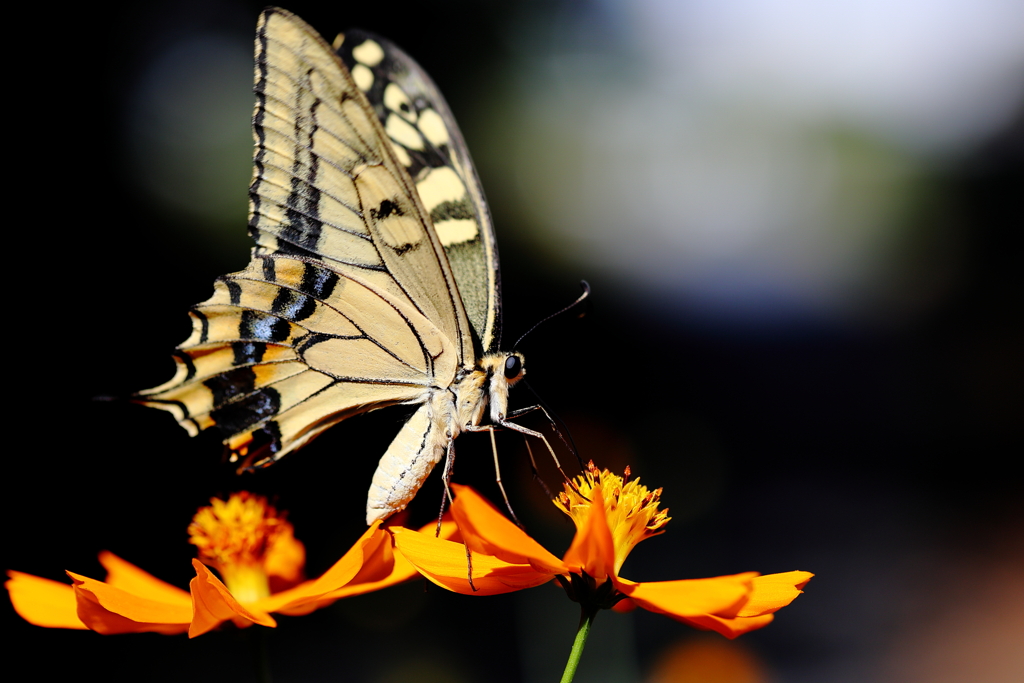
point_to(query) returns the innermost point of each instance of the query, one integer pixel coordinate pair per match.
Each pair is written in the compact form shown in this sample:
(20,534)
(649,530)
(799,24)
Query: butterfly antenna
(582,297)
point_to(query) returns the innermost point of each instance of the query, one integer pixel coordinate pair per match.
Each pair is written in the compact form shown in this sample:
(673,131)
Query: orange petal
(768,594)
(730,628)
(401,568)
(367,551)
(213,604)
(43,602)
(107,609)
(624,606)
(129,578)
(593,548)
(371,564)
(402,571)
(369,559)
(445,563)
(773,592)
(487,531)
(690,597)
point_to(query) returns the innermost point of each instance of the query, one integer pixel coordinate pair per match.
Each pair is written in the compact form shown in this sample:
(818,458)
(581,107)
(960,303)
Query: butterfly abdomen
(412,455)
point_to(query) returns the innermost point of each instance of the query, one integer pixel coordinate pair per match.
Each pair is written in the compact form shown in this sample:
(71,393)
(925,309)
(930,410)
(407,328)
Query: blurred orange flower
(260,564)
(612,515)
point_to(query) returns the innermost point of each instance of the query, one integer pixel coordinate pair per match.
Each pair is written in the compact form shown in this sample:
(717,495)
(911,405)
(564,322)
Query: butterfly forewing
(326,182)
(427,142)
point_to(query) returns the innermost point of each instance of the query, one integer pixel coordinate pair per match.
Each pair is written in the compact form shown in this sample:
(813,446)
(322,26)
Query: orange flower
(258,558)
(612,515)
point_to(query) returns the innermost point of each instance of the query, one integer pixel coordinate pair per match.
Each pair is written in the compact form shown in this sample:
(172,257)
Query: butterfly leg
(554,425)
(447,499)
(524,430)
(533,468)
(497,468)
(446,493)
(469,568)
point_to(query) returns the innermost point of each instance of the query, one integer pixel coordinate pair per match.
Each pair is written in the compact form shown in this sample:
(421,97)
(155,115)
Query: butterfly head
(502,371)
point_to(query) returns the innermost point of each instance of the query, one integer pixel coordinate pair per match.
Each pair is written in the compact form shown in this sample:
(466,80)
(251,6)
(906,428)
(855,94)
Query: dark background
(883,458)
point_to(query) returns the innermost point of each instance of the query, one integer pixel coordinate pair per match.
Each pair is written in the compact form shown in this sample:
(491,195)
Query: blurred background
(797,221)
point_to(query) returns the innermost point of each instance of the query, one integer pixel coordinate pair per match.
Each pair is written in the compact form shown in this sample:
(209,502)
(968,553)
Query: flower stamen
(236,537)
(631,509)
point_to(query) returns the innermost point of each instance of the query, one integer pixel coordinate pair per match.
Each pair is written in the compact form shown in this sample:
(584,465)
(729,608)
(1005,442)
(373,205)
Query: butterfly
(374,280)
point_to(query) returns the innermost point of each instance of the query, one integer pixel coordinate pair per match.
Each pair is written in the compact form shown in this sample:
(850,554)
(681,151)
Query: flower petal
(624,606)
(213,604)
(43,602)
(730,628)
(129,578)
(401,571)
(401,568)
(593,548)
(445,563)
(753,611)
(773,592)
(108,610)
(690,597)
(370,558)
(488,532)
(371,564)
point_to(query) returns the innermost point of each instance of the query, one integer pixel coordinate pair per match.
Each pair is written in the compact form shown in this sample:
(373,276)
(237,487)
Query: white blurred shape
(716,209)
(764,160)
(933,73)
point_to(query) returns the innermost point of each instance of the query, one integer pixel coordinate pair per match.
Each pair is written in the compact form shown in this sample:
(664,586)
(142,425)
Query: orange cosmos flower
(260,563)
(612,515)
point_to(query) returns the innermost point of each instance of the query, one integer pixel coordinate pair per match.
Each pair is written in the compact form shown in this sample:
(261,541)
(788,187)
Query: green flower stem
(586,619)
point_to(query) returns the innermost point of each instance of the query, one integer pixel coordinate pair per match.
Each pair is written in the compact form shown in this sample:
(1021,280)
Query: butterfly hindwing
(427,142)
(288,347)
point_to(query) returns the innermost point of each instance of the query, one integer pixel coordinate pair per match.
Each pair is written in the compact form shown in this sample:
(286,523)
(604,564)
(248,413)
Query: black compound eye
(513,366)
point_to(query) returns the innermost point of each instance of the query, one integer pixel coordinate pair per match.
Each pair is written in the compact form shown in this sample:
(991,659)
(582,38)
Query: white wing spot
(433,128)
(363,77)
(402,154)
(369,53)
(395,98)
(440,185)
(402,132)
(456,231)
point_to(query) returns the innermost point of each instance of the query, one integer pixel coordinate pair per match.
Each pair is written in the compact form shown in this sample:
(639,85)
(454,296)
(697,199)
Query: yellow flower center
(631,509)
(235,536)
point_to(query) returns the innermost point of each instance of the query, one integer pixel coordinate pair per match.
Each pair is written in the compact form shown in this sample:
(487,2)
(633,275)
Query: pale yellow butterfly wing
(326,181)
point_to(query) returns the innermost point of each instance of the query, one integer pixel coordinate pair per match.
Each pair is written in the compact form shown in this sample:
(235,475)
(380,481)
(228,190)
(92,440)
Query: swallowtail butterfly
(374,279)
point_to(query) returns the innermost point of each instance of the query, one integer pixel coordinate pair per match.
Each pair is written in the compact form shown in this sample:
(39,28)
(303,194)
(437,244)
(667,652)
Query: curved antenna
(582,297)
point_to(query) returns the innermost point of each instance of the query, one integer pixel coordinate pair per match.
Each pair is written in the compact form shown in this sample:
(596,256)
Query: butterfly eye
(513,366)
